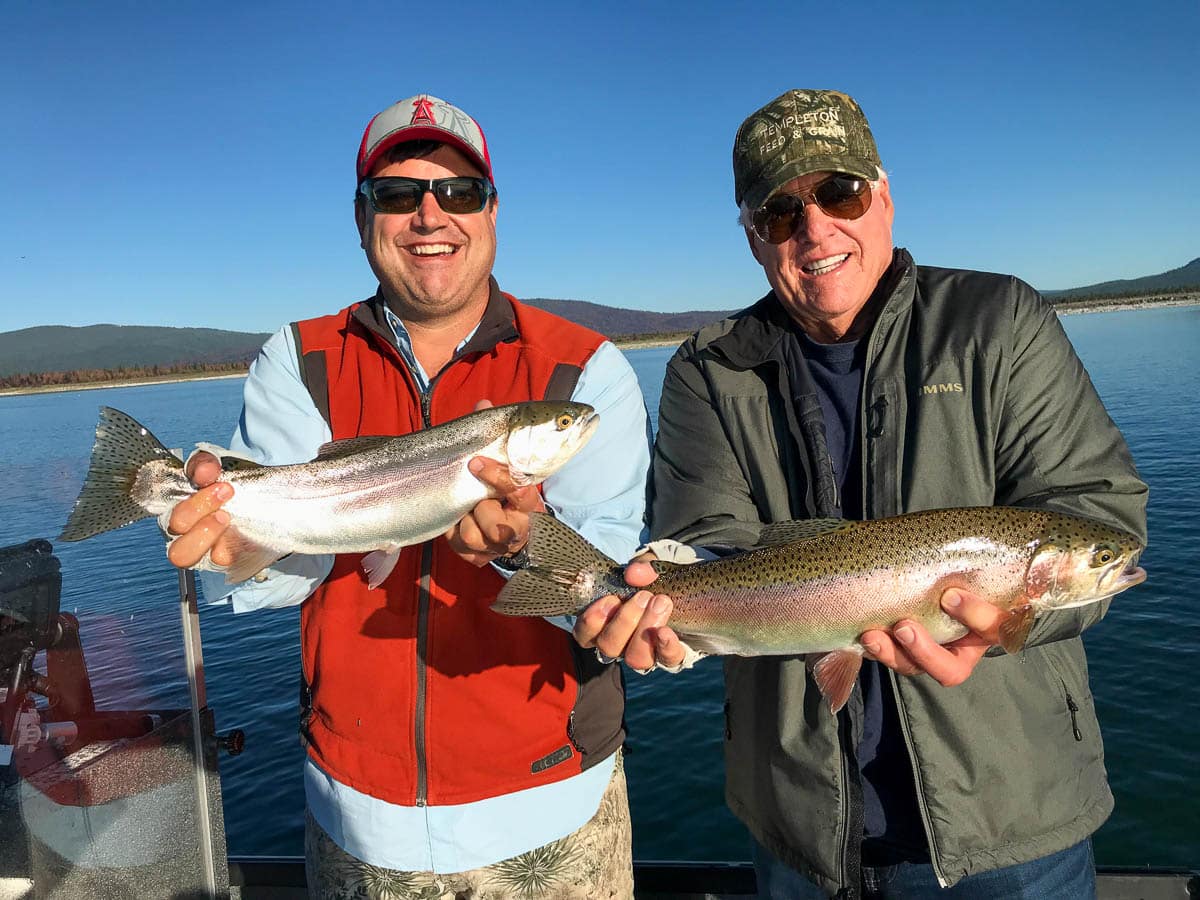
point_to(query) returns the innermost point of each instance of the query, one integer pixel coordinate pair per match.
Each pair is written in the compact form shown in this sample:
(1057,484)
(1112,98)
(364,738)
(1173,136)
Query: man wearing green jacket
(865,386)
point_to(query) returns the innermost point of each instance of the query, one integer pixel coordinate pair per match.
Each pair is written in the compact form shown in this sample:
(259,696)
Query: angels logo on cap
(423,117)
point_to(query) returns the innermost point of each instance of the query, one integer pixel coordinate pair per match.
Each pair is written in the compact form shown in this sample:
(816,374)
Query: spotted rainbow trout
(370,495)
(812,587)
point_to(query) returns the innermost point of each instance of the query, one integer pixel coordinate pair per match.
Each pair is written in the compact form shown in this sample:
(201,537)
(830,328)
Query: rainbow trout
(370,495)
(812,587)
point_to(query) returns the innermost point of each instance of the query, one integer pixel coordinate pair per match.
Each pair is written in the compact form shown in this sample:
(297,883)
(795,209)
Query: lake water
(1144,657)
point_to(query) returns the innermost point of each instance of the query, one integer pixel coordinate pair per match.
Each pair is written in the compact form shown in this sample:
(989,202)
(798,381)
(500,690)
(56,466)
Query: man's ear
(754,244)
(360,220)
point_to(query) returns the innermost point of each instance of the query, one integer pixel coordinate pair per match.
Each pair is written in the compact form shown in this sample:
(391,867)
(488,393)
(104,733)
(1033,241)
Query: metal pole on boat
(194,660)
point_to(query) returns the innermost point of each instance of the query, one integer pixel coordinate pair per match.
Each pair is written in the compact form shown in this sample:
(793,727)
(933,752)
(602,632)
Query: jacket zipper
(1074,708)
(849,888)
(871,430)
(926,819)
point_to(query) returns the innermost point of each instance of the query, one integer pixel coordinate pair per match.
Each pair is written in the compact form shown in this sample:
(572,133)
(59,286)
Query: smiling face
(430,264)
(825,272)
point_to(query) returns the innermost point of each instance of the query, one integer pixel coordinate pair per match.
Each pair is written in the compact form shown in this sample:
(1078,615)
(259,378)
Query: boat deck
(283,879)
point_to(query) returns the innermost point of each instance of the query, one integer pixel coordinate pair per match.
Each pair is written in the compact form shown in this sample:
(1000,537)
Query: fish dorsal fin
(799,530)
(350,446)
(662,566)
(238,464)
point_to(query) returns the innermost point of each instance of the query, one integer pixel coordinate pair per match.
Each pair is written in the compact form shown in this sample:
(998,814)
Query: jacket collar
(757,331)
(497,326)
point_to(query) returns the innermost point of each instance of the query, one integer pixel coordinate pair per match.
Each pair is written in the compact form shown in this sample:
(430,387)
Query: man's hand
(498,527)
(910,649)
(635,629)
(495,527)
(199,521)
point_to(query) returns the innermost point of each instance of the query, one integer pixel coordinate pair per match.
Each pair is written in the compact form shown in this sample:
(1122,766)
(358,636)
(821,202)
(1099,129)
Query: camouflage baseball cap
(797,133)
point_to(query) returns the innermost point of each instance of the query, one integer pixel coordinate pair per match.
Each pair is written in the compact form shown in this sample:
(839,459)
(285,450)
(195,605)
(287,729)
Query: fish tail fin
(106,501)
(563,574)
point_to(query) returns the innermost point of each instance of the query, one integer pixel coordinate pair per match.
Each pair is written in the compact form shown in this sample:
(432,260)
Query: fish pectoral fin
(835,674)
(521,479)
(1014,630)
(799,530)
(249,558)
(378,564)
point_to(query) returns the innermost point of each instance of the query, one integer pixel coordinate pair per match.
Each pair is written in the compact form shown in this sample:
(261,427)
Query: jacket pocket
(1071,681)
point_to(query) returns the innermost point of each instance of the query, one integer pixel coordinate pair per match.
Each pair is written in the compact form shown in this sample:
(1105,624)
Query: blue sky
(191,164)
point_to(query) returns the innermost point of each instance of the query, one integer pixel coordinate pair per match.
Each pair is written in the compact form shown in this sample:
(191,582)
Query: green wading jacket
(972,396)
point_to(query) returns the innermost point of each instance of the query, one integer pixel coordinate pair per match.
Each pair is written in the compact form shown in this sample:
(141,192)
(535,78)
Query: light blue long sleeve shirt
(600,493)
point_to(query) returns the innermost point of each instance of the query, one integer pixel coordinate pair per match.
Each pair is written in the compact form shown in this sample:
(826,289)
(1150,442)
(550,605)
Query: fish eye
(564,421)
(1103,556)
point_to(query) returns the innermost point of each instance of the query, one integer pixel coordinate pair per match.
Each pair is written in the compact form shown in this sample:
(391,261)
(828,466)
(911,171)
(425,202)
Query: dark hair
(398,153)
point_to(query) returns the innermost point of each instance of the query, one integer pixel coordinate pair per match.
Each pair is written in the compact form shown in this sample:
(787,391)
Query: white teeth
(822,266)
(431,249)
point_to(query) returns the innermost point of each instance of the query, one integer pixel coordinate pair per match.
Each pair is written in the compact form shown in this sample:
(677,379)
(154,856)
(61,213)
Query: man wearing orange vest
(451,751)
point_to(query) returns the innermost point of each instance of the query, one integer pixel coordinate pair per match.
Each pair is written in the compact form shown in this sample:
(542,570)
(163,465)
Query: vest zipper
(423,603)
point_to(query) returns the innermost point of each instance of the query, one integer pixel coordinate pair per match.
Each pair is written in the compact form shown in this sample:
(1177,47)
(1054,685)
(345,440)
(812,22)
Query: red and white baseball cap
(423,117)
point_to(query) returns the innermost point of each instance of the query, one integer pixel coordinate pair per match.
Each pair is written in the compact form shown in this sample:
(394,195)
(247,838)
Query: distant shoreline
(637,343)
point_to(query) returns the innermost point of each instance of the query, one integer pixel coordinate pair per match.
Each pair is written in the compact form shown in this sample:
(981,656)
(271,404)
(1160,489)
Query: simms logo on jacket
(954,387)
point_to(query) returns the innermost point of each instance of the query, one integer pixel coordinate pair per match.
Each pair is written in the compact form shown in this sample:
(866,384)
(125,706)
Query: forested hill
(59,348)
(617,323)
(1184,278)
(96,349)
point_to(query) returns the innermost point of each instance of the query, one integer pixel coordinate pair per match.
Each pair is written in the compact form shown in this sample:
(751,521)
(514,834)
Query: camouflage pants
(592,863)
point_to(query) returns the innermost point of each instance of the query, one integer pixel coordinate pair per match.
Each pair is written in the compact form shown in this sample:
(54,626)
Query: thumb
(494,474)
(639,574)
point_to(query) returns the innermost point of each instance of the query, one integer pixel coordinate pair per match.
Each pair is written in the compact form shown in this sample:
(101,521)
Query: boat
(99,804)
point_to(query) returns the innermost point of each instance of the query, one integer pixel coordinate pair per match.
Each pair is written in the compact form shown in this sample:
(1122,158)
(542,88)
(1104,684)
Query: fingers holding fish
(189,512)
(982,618)
(635,630)
(911,650)
(204,536)
(203,468)
(882,648)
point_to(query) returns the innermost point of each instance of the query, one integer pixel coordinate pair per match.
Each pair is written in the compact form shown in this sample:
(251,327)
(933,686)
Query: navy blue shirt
(892,829)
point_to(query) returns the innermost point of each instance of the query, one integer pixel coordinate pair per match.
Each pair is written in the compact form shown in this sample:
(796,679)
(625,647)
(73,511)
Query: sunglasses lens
(776,220)
(844,196)
(840,196)
(395,195)
(462,195)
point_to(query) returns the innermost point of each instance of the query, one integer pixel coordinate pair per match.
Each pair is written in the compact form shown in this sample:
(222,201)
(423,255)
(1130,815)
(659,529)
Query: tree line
(122,373)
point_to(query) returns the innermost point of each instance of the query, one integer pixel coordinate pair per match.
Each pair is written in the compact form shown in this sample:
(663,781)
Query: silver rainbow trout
(370,495)
(814,586)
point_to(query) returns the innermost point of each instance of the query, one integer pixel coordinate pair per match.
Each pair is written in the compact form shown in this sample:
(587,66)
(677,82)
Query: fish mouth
(1121,578)
(1132,575)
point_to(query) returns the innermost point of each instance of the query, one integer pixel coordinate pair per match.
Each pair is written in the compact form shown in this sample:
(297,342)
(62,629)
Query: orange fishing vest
(416,692)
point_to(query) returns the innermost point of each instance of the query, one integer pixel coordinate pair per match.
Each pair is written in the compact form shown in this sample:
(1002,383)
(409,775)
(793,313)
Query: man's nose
(814,223)
(428,214)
